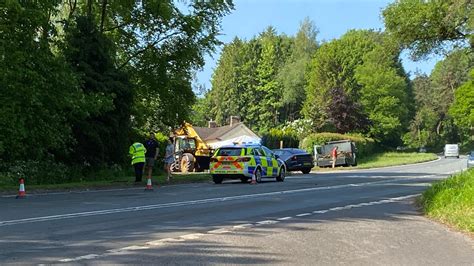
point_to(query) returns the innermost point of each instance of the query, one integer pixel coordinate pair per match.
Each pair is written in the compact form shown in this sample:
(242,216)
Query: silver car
(470,159)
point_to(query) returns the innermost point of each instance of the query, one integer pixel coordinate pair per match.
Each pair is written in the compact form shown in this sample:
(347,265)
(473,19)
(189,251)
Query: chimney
(212,124)
(234,120)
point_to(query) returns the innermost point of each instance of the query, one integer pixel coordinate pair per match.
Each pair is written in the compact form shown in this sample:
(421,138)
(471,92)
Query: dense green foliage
(428,26)
(262,80)
(433,124)
(272,139)
(462,109)
(443,27)
(103,135)
(371,79)
(452,201)
(81,78)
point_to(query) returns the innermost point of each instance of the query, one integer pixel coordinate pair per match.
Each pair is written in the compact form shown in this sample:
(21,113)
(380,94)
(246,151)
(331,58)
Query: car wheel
(306,170)
(282,175)
(258,175)
(217,179)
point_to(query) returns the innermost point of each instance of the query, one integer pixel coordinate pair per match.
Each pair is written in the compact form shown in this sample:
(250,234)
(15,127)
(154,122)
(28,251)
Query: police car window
(267,151)
(256,152)
(229,152)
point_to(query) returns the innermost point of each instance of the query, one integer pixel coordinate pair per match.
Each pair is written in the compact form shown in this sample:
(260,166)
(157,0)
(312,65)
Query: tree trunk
(102,18)
(89,8)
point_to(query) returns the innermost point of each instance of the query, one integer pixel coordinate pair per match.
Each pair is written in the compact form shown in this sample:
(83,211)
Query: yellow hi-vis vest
(137,151)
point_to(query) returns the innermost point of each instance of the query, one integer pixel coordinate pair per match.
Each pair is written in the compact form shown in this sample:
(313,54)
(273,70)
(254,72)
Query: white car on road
(451,150)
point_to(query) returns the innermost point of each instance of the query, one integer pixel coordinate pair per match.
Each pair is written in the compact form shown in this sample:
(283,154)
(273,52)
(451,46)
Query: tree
(447,76)
(245,80)
(39,91)
(422,129)
(344,113)
(428,26)
(103,135)
(462,109)
(385,93)
(268,88)
(292,74)
(227,83)
(333,66)
(160,44)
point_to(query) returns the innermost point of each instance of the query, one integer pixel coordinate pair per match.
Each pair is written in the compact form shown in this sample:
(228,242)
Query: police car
(244,162)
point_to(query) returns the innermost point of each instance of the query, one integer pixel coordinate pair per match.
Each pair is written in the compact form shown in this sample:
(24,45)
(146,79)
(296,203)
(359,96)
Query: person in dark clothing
(151,154)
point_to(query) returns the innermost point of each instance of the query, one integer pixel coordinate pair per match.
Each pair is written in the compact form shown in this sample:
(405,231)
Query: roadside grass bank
(119,181)
(385,159)
(451,201)
(394,158)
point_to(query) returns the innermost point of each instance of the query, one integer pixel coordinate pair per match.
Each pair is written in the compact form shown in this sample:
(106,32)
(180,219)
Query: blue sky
(332,17)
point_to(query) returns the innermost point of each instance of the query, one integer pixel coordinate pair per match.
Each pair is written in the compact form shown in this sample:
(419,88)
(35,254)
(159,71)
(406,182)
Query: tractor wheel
(187,163)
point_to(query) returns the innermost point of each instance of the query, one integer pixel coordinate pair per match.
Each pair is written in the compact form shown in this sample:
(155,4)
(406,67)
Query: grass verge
(451,201)
(394,158)
(110,182)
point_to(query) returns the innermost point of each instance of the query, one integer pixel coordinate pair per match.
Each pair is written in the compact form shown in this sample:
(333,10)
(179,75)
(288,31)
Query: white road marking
(219,231)
(242,226)
(192,236)
(267,222)
(303,214)
(183,238)
(86,257)
(183,203)
(134,248)
(321,211)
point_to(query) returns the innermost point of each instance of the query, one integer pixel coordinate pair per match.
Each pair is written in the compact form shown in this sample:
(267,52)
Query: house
(235,132)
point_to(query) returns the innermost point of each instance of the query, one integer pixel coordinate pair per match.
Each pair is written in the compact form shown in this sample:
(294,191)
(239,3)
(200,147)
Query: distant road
(349,217)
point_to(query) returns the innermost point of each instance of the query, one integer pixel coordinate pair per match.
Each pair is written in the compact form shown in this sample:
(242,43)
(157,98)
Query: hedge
(272,139)
(364,145)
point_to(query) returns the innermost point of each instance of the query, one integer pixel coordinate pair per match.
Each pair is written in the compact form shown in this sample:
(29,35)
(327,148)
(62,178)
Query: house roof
(214,133)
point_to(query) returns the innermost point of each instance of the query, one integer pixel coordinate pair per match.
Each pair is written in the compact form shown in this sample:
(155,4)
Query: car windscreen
(297,151)
(229,152)
(281,152)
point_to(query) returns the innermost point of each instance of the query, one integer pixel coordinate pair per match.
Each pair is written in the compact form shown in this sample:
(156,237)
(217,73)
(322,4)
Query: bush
(365,146)
(37,172)
(274,136)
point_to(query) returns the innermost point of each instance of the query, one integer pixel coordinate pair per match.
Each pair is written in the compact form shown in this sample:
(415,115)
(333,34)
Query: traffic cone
(21,191)
(254,181)
(148,185)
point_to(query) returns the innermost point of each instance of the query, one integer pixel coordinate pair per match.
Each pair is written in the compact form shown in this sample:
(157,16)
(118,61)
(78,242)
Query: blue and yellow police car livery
(245,161)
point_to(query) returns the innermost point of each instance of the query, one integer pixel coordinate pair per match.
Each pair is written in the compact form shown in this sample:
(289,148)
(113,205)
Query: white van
(451,150)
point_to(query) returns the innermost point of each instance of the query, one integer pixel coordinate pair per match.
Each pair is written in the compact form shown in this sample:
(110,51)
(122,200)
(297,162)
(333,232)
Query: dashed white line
(267,222)
(320,212)
(183,238)
(86,257)
(182,203)
(219,231)
(242,226)
(303,214)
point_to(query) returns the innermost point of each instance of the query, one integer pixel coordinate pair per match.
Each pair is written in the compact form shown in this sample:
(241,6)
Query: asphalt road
(351,217)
